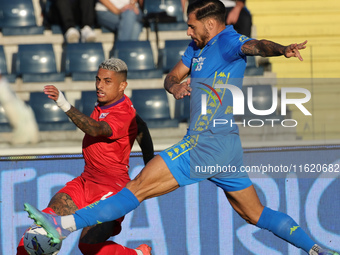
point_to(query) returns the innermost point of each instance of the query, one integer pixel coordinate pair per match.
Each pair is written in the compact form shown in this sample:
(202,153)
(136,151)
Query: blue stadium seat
(87,102)
(56,29)
(252,69)
(36,63)
(166,14)
(3,66)
(138,56)
(172,53)
(17,17)
(182,109)
(262,100)
(48,115)
(81,60)
(4,123)
(105,30)
(153,107)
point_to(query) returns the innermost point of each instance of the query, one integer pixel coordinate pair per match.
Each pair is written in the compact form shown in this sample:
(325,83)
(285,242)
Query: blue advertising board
(197,219)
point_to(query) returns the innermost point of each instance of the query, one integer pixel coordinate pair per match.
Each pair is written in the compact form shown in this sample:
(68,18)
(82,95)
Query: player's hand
(128,7)
(181,90)
(136,10)
(52,92)
(293,50)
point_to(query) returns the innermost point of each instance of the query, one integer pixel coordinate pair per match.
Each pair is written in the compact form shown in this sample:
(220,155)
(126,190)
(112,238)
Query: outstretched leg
(154,180)
(247,204)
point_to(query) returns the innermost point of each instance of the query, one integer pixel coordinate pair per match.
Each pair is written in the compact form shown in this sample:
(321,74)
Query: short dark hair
(208,9)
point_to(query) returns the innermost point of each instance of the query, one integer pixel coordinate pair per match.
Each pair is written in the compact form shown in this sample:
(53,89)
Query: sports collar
(113,104)
(212,40)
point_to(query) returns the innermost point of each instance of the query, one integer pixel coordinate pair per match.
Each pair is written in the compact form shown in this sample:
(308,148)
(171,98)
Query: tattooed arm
(172,82)
(267,48)
(88,125)
(82,121)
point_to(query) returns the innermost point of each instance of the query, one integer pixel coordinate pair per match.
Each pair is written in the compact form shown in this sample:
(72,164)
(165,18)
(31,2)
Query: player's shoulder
(128,103)
(228,34)
(229,39)
(122,109)
(127,106)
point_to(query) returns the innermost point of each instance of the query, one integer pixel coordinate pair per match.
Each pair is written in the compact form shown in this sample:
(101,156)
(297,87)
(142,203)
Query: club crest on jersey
(197,63)
(103,115)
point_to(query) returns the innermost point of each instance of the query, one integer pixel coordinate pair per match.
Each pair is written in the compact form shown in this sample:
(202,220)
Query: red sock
(20,249)
(105,248)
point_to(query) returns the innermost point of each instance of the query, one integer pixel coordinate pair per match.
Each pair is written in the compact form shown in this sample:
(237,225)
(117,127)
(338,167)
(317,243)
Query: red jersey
(107,158)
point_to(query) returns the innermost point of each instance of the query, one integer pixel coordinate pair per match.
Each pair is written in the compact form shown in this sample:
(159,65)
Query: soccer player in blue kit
(216,55)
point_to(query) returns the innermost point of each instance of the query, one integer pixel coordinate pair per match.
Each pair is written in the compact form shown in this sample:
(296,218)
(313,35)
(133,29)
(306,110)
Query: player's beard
(203,39)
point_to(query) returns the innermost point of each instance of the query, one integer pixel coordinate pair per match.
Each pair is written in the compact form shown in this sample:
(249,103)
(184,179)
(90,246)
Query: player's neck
(219,29)
(216,31)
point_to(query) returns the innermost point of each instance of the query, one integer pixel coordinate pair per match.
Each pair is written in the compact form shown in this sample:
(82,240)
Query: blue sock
(109,209)
(286,228)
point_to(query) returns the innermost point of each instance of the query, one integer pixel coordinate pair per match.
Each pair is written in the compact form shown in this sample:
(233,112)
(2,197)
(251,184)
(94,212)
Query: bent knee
(249,219)
(253,216)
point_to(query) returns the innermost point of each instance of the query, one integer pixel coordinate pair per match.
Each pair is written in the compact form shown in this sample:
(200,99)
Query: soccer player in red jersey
(110,132)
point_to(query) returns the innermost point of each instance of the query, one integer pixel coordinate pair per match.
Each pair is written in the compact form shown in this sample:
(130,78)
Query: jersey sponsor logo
(103,115)
(197,63)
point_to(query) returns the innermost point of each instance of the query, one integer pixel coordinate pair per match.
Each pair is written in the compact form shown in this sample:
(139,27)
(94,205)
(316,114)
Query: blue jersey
(209,146)
(221,61)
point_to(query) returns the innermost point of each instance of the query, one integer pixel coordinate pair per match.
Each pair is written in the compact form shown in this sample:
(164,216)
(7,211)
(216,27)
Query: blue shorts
(217,158)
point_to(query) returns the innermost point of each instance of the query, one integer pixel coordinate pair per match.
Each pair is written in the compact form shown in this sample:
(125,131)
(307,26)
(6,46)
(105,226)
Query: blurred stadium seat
(4,123)
(182,109)
(164,15)
(36,63)
(48,115)
(87,102)
(17,17)
(81,60)
(171,53)
(3,66)
(138,56)
(153,107)
(56,29)
(251,68)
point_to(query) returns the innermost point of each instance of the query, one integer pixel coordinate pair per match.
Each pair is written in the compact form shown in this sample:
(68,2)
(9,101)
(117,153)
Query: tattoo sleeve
(263,48)
(87,124)
(62,204)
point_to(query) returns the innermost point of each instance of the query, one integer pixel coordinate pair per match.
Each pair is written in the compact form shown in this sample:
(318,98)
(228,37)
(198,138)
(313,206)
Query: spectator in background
(19,115)
(70,14)
(237,15)
(123,17)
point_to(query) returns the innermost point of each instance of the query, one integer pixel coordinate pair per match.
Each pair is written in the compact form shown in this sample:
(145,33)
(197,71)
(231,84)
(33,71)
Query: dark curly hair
(208,9)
